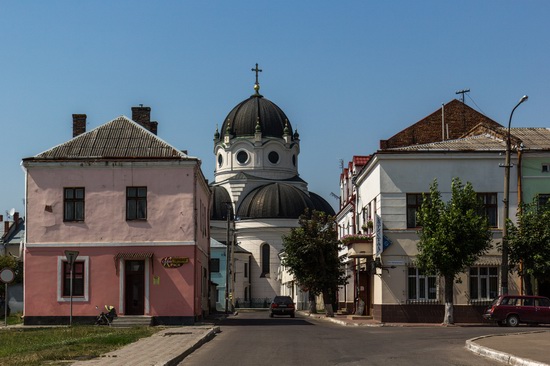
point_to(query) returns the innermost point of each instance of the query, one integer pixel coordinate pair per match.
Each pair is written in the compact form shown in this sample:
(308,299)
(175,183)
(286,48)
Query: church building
(257,184)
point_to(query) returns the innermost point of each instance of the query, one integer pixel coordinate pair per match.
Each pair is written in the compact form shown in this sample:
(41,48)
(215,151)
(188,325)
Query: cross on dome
(257,84)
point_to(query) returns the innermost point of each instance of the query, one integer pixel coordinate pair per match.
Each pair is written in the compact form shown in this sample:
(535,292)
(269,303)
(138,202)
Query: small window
(546,168)
(246,270)
(490,207)
(294,160)
(78,279)
(414,202)
(73,204)
(242,157)
(543,199)
(220,160)
(265,260)
(273,157)
(214,265)
(136,203)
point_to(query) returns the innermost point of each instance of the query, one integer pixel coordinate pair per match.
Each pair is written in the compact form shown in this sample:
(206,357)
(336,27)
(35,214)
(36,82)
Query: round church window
(273,157)
(242,157)
(220,160)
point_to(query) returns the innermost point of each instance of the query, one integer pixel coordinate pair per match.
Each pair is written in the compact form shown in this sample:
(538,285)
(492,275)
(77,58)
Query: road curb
(200,341)
(500,356)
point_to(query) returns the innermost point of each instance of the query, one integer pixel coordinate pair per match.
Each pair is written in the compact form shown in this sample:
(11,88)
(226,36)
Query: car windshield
(282,300)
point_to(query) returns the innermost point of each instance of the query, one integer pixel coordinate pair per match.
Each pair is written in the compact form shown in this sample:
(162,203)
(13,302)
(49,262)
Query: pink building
(135,208)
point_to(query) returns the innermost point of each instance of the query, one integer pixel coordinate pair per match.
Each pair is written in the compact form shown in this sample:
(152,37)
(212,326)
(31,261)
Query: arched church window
(273,157)
(242,157)
(294,160)
(220,160)
(265,260)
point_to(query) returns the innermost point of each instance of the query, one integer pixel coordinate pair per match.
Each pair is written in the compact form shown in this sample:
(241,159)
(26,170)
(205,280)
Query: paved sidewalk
(529,349)
(167,347)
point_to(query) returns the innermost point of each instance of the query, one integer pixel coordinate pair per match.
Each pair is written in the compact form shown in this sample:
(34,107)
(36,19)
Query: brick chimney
(79,124)
(6,226)
(142,115)
(16,219)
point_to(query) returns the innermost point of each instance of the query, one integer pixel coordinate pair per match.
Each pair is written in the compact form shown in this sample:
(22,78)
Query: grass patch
(39,346)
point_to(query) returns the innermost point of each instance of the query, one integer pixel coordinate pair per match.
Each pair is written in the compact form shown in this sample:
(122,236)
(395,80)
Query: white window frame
(426,283)
(60,278)
(480,279)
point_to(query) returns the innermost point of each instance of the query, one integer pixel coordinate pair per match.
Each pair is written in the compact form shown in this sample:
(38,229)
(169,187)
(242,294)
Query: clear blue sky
(346,73)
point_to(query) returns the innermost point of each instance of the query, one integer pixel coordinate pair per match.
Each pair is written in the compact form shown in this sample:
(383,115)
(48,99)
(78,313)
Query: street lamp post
(504,264)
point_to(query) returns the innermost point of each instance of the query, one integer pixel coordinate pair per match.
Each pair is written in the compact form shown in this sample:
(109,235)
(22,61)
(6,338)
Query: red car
(510,310)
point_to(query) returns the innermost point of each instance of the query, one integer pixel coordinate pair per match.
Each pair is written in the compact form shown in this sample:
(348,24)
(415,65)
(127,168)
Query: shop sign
(174,262)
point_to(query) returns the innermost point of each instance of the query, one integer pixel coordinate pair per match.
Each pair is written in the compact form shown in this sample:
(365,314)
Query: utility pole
(227,258)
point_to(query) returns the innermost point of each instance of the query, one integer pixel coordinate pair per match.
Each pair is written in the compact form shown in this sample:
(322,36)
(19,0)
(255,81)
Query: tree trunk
(528,283)
(312,304)
(449,282)
(328,304)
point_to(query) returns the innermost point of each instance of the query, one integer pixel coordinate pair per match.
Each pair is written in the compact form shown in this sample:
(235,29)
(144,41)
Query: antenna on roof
(463,91)
(10,213)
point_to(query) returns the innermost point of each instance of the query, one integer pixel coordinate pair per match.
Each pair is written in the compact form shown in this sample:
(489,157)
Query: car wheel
(512,321)
(292,315)
(271,315)
(501,323)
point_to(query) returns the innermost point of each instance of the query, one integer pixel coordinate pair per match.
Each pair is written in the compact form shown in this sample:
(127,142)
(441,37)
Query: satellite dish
(12,211)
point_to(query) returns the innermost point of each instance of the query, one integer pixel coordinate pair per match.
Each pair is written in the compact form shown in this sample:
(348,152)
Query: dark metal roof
(218,206)
(119,138)
(278,200)
(245,116)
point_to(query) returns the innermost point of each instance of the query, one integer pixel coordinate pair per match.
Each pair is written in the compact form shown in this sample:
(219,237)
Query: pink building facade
(135,208)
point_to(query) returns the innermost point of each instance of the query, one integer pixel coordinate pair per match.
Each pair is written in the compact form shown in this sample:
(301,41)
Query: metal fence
(259,303)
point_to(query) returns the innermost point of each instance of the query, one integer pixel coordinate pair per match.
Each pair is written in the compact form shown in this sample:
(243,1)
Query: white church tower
(256,177)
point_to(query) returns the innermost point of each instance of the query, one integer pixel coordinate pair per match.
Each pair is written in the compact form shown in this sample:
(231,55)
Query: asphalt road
(255,339)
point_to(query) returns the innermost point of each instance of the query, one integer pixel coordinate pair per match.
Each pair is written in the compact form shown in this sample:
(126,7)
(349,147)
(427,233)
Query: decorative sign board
(174,262)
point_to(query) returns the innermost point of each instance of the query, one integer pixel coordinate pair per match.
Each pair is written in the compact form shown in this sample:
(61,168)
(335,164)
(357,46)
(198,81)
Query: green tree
(310,253)
(453,236)
(529,243)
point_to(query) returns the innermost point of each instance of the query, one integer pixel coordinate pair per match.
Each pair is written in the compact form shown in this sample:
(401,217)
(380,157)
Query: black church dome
(218,207)
(278,200)
(256,114)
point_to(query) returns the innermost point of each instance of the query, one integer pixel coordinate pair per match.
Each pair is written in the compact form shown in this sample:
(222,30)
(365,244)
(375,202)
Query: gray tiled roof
(483,142)
(119,138)
(531,138)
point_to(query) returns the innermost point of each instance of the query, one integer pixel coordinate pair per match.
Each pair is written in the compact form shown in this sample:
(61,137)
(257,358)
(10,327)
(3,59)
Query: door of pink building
(134,287)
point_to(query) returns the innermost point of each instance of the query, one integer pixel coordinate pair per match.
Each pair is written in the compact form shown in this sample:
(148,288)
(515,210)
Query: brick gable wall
(459,117)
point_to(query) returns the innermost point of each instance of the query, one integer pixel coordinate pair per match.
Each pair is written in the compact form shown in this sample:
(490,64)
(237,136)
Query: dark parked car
(282,305)
(511,310)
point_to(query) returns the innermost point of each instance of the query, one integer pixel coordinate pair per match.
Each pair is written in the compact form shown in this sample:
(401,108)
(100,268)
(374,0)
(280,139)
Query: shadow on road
(266,321)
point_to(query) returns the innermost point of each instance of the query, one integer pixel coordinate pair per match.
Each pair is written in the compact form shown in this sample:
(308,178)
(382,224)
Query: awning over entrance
(132,256)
